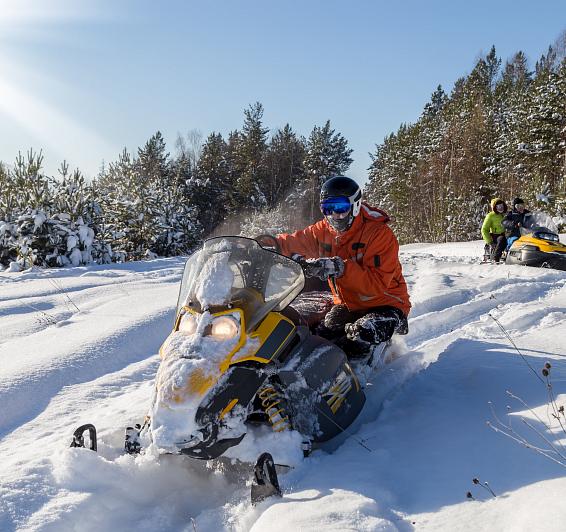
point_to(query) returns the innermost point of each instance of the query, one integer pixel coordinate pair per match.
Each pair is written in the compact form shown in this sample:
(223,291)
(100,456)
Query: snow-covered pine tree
(45,221)
(327,155)
(33,206)
(8,201)
(510,111)
(71,235)
(432,173)
(543,142)
(148,229)
(183,228)
(211,186)
(471,134)
(285,155)
(249,151)
(391,177)
(285,187)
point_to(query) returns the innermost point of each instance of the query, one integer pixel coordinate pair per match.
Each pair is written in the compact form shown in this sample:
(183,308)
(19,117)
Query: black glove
(360,332)
(324,267)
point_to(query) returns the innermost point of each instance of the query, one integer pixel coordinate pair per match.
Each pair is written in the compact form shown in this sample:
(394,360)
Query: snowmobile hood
(197,357)
(226,317)
(543,244)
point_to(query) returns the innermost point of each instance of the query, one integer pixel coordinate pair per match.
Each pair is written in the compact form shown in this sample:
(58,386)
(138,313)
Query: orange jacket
(372,275)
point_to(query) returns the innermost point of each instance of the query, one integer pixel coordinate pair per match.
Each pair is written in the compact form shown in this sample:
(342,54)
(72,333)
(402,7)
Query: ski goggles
(338,205)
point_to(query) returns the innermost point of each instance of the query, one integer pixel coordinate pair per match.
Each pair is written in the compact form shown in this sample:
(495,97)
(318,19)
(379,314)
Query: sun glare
(25,90)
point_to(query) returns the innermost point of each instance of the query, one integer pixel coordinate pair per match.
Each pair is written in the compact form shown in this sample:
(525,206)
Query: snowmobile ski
(265,483)
(78,436)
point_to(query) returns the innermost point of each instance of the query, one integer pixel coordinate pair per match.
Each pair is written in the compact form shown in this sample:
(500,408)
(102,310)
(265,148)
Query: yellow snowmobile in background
(539,244)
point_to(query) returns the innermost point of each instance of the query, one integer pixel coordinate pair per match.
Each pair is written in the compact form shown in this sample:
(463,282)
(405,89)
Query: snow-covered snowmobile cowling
(234,359)
(539,244)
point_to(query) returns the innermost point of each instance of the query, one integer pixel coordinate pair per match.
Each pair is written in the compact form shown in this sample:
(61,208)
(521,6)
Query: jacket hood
(497,201)
(367,212)
(373,213)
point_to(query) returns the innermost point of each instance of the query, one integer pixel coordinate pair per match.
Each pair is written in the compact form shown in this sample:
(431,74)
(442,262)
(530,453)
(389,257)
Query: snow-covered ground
(80,345)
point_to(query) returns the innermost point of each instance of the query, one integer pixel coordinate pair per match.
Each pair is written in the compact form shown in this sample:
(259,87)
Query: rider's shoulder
(374,214)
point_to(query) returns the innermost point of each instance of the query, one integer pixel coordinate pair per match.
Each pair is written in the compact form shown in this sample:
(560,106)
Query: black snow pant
(373,326)
(498,245)
(380,322)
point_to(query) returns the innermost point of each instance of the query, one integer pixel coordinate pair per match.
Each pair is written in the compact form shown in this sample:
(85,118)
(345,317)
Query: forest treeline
(152,203)
(500,132)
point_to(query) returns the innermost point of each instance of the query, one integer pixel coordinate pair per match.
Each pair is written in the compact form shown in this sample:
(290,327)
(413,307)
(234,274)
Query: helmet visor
(338,205)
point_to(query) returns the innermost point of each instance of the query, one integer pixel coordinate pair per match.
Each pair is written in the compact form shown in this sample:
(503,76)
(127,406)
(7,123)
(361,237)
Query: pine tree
(510,110)
(542,145)
(212,187)
(249,150)
(327,155)
(285,156)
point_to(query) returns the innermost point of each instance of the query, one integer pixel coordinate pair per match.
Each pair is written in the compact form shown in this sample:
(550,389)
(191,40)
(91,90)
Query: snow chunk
(14,267)
(71,242)
(75,257)
(39,219)
(86,235)
(216,280)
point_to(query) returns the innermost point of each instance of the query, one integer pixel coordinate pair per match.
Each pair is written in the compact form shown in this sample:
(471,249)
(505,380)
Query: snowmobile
(539,244)
(239,356)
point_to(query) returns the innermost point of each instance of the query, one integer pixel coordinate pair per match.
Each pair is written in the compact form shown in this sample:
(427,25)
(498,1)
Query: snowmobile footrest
(78,436)
(265,483)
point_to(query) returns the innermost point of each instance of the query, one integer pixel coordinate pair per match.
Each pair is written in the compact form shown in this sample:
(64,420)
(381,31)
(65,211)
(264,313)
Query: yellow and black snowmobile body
(235,359)
(538,245)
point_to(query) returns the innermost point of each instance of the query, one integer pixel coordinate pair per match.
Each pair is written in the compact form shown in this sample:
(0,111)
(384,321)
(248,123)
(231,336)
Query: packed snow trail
(79,345)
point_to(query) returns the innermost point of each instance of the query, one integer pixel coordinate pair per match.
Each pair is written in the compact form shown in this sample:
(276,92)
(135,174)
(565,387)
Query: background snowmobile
(539,244)
(238,357)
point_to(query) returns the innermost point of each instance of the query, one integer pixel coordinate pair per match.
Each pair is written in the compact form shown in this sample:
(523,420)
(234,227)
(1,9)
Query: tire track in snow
(456,317)
(23,396)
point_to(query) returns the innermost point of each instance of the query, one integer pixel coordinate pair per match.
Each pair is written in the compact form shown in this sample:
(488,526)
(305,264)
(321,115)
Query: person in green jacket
(493,231)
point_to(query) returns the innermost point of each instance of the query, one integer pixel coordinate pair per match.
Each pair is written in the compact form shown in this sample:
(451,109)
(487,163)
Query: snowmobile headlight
(188,324)
(225,328)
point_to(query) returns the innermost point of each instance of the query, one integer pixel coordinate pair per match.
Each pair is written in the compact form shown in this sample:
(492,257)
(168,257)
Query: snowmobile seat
(309,308)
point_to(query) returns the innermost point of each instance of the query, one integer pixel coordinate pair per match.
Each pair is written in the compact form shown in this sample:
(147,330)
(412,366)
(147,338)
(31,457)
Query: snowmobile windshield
(236,272)
(538,222)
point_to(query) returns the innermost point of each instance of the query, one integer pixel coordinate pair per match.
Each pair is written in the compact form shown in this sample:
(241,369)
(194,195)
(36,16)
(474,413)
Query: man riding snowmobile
(236,360)
(514,220)
(354,249)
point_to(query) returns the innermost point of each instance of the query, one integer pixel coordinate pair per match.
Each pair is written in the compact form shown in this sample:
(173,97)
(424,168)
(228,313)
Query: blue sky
(83,79)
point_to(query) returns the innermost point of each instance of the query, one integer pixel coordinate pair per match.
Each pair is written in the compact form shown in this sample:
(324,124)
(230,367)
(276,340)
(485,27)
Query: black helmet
(341,195)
